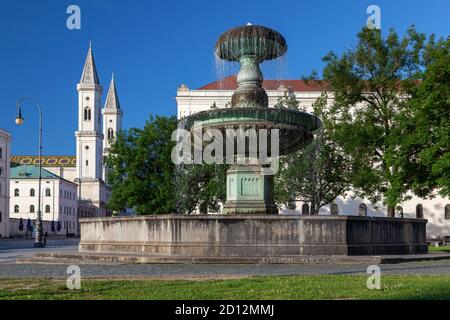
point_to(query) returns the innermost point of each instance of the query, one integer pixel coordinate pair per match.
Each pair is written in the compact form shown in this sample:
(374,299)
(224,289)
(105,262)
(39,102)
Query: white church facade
(436,210)
(97,128)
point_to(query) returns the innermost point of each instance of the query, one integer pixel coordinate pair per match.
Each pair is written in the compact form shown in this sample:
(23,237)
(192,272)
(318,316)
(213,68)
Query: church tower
(112,120)
(89,138)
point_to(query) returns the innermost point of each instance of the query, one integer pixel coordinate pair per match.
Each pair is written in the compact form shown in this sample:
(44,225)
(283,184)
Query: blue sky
(153,46)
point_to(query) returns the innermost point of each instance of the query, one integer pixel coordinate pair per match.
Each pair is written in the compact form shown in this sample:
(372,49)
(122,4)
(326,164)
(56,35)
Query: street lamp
(38,243)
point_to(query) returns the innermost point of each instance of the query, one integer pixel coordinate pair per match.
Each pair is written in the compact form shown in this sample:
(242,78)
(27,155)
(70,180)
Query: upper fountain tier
(251,45)
(258,41)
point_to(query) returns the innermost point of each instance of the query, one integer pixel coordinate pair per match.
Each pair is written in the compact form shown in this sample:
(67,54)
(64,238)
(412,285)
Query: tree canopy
(142,171)
(372,85)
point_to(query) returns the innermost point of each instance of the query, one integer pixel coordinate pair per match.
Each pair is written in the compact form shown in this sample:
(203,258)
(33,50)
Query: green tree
(288,101)
(425,127)
(316,174)
(142,171)
(201,186)
(371,85)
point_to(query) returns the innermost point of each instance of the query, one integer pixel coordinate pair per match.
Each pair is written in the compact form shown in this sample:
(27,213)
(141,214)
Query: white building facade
(5,149)
(436,210)
(59,200)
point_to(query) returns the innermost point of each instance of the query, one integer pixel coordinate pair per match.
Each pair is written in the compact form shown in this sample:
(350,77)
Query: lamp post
(38,243)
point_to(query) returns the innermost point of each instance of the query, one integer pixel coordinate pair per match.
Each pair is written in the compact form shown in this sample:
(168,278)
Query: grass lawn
(439,249)
(268,287)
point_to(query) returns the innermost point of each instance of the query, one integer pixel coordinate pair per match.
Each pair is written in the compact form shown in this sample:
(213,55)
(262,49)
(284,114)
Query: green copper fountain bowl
(295,127)
(261,42)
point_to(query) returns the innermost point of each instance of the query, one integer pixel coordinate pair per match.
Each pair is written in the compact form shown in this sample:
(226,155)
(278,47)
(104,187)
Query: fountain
(249,231)
(249,189)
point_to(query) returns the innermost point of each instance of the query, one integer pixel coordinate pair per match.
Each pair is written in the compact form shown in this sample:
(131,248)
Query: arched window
(47,209)
(47,192)
(16,209)
(32,193)
(31,209)
(419,211)
(447,211)
(16,192)
(305,209)
(110,133)
(87,114)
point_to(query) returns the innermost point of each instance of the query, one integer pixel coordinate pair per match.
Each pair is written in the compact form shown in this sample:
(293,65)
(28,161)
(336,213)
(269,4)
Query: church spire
(112,100)
(90,75)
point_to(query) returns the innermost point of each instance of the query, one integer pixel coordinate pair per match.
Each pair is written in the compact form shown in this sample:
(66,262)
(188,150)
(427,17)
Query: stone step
(115,258)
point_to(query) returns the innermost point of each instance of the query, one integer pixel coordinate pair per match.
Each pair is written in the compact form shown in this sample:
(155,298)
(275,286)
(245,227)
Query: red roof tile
(230,83)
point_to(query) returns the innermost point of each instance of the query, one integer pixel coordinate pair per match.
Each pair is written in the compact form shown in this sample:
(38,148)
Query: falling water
(232,45)
(224,69)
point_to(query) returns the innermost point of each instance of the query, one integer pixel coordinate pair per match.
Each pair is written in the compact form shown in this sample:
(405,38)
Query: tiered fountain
(249,188)
(244,233)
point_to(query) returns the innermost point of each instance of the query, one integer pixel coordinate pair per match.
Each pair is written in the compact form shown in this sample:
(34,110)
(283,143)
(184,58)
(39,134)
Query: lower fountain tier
(230,237)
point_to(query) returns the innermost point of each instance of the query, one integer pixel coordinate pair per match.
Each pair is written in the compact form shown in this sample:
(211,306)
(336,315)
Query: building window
(87,114)
(0,216)
(1,171)
(47,209)
(1,153)
(47,192)
(32,193)
(362,210)
(110,134)
(419,211)
(31,209)
(16,192)
(16,209)
(334,209)
(447,211)
(305,209)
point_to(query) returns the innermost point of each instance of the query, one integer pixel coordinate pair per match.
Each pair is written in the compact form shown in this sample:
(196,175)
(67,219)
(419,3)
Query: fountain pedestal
(248,191)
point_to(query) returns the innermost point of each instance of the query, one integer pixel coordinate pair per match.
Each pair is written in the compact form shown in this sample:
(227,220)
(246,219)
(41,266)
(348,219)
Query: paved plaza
(10,250)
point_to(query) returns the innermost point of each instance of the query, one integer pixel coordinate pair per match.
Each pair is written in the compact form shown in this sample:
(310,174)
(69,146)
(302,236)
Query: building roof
(90,75)
(230,83)
(31,172)
(112,99)
(47,161)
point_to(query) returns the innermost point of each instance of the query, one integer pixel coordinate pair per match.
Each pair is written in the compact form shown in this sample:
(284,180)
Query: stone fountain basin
(295,127)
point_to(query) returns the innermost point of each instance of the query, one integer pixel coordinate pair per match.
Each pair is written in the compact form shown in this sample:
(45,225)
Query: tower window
(87,162)
(16,209)
(32,193)
(47,192)
(16,192)
(110,133)
(87,114)
(47,209)
(31,209)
